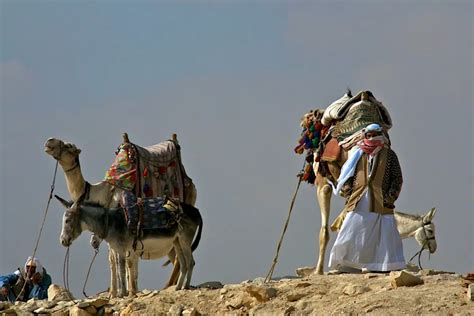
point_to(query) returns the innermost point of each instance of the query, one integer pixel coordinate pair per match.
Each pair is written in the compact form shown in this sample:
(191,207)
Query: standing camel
(103,194)
(366,107)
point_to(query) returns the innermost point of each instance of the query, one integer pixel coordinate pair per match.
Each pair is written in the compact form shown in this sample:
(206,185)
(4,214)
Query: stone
(295,296)
(146,292)
(258,281)
(62,312)
(176,310)
(98,302)
(262,294)
(76,311)
(4,305)
(305,271)
(57,293)
(403,278)
(211,285)
(470,293)
(83,304)
(303,285)
(355,289)
(190,312)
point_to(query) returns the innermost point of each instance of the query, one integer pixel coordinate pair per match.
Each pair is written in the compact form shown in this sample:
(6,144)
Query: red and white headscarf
(372,145)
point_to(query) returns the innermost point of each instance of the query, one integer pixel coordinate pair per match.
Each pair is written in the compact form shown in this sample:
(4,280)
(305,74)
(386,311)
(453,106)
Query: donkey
(110,225)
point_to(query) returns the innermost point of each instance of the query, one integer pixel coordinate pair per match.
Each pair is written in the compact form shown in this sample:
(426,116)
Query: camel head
(425,234)
(66,153)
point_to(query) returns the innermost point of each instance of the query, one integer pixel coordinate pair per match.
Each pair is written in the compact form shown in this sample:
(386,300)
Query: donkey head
(425,234)
(71,228)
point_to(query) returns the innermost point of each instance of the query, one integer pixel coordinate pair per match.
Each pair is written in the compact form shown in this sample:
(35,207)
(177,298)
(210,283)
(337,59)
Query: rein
(96,250)
(66,274)
(42,224)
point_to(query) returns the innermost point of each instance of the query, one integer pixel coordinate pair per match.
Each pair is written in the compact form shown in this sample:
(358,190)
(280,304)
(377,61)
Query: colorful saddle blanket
(155,214)
(149,171)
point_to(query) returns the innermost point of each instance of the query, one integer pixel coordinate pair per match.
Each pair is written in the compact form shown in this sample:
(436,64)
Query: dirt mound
(440,293)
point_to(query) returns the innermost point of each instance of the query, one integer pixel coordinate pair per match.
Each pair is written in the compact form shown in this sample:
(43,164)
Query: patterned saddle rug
(151,213)
(149,171)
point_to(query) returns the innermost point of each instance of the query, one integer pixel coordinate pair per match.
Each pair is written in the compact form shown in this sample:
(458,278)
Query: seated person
(31,282)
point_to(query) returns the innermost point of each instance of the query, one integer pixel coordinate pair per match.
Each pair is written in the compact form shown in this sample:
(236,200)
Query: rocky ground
(436,292)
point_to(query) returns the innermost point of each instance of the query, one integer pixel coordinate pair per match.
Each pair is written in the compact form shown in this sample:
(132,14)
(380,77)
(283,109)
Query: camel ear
(428,217)
(63,201)
(73,148)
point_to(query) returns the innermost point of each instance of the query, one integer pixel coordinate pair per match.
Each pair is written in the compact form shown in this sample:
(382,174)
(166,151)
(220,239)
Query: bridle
(427,239)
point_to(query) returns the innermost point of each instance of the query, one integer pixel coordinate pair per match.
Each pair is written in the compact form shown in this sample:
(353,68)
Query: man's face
(30,270)
(370,135)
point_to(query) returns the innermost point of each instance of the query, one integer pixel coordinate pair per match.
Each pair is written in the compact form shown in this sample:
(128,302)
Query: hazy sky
(232,79)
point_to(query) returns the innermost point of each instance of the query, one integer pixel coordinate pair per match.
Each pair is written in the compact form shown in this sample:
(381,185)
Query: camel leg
(113,274)
(323,193)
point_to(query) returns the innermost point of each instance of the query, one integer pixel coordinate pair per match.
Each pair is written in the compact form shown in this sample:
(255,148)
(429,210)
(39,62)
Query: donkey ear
(429,216)
(63,201)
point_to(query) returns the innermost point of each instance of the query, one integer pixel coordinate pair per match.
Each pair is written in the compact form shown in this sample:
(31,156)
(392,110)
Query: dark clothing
(14,283)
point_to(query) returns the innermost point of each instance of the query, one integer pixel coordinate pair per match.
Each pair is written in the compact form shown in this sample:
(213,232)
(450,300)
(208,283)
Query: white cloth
(348,168)
(368,240)
(39,266)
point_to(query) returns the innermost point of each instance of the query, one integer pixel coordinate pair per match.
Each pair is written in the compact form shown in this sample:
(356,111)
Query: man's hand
(36,278)
(4,291)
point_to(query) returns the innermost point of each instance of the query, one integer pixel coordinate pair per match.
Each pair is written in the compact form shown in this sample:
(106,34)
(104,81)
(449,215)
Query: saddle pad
(332,151)
(155,215)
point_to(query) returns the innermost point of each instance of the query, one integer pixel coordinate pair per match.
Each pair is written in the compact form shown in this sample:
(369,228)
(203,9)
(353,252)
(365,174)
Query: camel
(111,225)
(103,194)
(408,225)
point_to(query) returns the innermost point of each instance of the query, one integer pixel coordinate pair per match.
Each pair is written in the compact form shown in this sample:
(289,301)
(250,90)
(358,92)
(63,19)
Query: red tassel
(145,172)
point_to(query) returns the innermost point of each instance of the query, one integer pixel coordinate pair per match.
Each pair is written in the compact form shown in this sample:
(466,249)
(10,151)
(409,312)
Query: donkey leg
(323,193)
(121,275)
(182,263)
(175,273)
(113,273)
(132,273)
(188,257)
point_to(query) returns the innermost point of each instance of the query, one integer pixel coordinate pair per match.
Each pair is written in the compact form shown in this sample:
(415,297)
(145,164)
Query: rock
(40,310)
(305,271)
(262,294)
(4,305)
(62,312)
(190,312)
(176,310)
(210,285)
(57,293)
(98,302)
(470,293)
(83,304)
(30,306)
(355,289)
(238,301)
(289,311)
(258,281)
(223,291)
(295,296)
(76,311)
(412,268)
(146,292)
(426,272)
(303,285)
(133,307)
(403,278)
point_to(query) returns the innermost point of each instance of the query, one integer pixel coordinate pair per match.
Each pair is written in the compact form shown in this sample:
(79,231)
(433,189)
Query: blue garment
(38,291)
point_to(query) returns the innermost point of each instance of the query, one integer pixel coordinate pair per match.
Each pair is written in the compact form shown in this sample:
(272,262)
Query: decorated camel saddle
(153,181)
(151,171)
(327,133)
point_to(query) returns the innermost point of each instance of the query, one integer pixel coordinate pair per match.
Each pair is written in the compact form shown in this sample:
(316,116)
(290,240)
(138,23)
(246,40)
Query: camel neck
(75,182)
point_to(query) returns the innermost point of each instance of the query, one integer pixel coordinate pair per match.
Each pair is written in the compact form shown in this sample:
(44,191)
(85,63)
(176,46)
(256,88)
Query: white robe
(367,240)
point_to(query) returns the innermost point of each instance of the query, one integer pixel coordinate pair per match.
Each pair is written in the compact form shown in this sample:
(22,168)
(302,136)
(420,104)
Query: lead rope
(66,274)
(96,250)
(275,259)
(42,225)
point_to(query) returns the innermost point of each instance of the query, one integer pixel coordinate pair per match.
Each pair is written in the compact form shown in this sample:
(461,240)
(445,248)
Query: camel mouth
(48,149)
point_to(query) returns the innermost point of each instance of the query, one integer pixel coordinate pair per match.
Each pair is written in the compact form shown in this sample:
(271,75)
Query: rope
(275,259)
(66,274)
(42,224)
(88,271)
